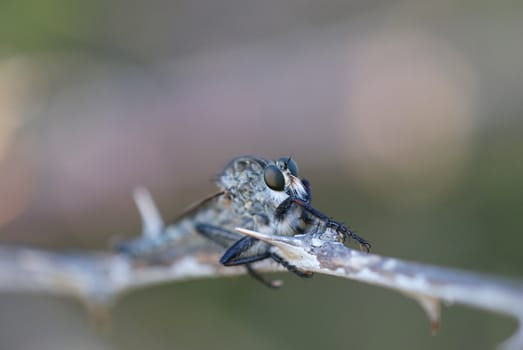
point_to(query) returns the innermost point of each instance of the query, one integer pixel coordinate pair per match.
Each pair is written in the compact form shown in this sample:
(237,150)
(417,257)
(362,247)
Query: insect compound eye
(273,177)
(291,165)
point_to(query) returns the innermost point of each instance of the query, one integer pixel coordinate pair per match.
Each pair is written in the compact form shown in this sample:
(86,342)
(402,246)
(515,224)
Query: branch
(429,285)
(98,279)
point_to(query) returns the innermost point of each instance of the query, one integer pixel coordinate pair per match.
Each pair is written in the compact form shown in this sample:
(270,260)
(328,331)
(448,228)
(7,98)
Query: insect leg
(240,252)
(287,203)
(339,227)
(232,257)
(254,274)
(335,225)
(283,208)
(217,234)
(290,267)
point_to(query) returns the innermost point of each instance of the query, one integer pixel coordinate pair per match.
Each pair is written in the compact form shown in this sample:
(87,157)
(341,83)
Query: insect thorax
(251,200)
(255,203)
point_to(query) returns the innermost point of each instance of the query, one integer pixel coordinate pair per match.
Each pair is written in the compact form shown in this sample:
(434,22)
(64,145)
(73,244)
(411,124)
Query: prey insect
(257,194)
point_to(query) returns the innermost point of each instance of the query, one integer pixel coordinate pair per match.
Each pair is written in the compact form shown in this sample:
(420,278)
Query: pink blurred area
(389,107)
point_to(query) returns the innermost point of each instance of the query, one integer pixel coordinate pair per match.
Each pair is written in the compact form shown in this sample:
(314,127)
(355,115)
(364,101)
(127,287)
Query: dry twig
(99,279)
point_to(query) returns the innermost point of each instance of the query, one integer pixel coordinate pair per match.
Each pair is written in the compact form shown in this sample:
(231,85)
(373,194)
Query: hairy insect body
(255,194)
(242,201)
(255,205)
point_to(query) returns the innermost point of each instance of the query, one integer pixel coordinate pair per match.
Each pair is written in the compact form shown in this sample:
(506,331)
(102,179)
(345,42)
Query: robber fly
(254,193)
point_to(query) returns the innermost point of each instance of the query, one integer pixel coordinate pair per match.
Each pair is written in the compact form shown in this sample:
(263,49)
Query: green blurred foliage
(32,25)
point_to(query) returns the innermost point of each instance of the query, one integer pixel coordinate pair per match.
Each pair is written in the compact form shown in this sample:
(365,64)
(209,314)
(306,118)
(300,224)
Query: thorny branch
(98,279)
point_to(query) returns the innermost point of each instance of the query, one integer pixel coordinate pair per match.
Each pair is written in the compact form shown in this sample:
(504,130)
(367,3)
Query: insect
(266,196)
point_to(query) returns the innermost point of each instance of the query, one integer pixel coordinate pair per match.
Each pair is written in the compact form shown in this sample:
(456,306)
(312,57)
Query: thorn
(279,241)
(152,223)
(434,327)
(432,309)
(100,316)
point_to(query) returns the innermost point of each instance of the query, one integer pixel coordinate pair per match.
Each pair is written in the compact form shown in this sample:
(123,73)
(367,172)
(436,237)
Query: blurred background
(405,116)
